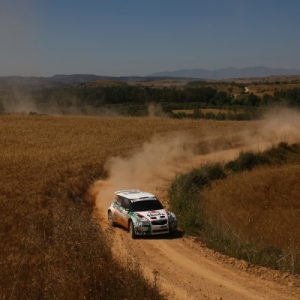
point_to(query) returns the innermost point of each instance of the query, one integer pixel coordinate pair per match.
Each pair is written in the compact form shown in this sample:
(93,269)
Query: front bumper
(142,229)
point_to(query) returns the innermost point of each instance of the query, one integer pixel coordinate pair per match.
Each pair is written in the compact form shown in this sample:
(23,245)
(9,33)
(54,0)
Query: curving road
(185,269)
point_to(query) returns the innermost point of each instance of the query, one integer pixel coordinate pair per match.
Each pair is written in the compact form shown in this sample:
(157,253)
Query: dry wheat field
(51,245)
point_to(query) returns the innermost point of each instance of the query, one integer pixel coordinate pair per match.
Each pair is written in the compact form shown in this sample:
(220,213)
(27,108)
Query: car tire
(111,219)
(132,230)
(173,233)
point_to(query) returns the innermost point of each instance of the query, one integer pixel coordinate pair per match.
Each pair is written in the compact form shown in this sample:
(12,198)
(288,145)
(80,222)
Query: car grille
(159,222)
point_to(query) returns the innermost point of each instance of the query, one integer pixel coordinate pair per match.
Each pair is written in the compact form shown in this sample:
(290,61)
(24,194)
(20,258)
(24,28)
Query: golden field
(261,206)
(52,247)
(47,231)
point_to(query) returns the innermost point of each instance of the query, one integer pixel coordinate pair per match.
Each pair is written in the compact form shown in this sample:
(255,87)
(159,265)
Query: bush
(183,195)
(246,162)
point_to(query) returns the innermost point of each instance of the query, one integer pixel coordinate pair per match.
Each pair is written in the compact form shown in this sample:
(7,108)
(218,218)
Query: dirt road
(188,270)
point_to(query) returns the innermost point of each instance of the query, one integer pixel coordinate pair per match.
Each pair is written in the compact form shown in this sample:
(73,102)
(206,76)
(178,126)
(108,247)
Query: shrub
(183,195)
(246,161)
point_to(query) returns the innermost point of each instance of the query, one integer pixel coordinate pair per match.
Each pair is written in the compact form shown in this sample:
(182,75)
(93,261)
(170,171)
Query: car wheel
(111,219)
(173,233)
(132,230)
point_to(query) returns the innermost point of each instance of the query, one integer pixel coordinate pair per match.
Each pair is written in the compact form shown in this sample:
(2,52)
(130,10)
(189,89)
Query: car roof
(136,195)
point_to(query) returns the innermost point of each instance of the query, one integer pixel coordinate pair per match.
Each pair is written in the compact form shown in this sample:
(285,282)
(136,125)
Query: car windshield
(146,205)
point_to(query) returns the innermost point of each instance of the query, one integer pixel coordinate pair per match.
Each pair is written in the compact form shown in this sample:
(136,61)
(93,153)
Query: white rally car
(141,213)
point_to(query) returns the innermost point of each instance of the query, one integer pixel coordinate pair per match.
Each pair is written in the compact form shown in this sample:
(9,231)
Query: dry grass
(51,245)
(259,207)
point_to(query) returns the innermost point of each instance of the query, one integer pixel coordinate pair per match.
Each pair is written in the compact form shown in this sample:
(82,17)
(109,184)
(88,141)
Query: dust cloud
(279,125)
(18,102)
(157,162)
(155,110)
(147,169)
(282,126)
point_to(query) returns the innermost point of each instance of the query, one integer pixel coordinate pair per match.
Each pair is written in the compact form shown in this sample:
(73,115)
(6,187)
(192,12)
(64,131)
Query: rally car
(141,213)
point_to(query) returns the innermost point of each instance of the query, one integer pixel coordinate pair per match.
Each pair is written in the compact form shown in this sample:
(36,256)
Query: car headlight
(144,221)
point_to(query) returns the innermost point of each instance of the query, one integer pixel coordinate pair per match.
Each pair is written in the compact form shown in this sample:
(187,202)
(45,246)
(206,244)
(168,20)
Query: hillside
(244,74)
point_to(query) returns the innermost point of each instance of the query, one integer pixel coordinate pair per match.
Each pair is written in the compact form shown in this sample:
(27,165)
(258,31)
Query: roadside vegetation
(247,208)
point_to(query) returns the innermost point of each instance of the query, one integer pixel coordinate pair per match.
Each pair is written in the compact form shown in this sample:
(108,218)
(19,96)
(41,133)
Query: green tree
(221,98)
(252,100)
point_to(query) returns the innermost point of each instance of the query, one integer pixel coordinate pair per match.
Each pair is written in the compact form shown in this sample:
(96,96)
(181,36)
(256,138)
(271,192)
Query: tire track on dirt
(188,270)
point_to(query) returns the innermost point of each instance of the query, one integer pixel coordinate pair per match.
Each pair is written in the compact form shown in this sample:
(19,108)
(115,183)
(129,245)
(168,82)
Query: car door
(124,212)
(117,210)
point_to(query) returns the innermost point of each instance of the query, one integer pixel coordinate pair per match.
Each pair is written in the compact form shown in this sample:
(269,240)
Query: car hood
(153,214)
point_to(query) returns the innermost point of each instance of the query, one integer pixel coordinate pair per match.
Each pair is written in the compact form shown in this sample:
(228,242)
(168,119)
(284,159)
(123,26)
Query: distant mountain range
(228,73)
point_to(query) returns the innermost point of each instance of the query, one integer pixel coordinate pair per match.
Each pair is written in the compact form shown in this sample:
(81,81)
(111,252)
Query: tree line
(134,100)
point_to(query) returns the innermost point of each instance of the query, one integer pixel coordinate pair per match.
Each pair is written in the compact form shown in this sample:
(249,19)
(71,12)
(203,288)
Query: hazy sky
(140,37)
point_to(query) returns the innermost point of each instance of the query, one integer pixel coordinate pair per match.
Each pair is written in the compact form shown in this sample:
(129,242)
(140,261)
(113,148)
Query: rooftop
(135,194)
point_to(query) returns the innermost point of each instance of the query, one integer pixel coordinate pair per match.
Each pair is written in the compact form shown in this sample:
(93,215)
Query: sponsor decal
(155,213)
